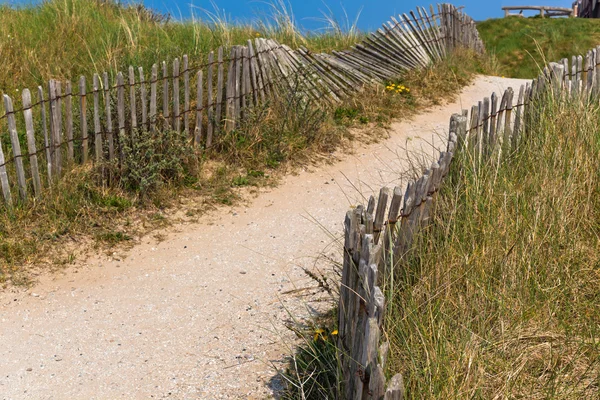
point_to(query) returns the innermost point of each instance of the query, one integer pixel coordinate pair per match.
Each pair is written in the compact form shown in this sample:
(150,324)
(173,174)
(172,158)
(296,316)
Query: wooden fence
(62,124)
(379,235)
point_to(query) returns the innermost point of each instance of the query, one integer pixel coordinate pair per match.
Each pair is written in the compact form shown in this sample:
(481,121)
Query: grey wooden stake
(199,105)
(54,130)
(31,145)
(186,96)
(45,131)
(230,92)
(83,121)
(132,100)
(209,99)
(143,98)
(218,110)
(166,95)
(176,117)
(109,126)
(4,179)
(97,126)
(69,118)
(121,113)
(153,84)
(16,147)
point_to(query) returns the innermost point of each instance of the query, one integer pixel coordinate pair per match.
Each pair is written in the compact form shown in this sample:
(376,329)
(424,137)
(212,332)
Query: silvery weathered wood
(219,102)
(199,108)
(518,115)
(380,214)
(186,96)
(108,111)
(143,98)
(230,91)
(97,126)
(166,116)
(209,99)
(82,117)
(493,122)
(16,147)
(153,95)
(121,113)
(176,124)
(69,121)
(31,145)
(132,99)
(4,179)
(258,93)
(508,119)
(55,117)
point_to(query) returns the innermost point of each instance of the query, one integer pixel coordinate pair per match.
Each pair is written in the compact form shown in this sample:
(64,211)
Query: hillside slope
(523,44)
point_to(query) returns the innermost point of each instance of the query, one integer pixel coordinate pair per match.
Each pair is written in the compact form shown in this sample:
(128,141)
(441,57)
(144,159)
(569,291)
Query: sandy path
(201,314)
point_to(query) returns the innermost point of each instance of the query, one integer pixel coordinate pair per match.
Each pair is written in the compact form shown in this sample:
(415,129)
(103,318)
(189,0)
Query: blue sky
(374,12)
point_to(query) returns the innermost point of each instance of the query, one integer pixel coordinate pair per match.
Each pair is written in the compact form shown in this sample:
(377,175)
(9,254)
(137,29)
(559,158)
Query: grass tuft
(499,298)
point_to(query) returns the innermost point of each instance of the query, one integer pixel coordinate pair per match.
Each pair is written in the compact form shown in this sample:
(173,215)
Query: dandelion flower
(335,332)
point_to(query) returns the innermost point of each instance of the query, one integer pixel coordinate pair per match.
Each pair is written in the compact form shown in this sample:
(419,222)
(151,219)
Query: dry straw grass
(500,298)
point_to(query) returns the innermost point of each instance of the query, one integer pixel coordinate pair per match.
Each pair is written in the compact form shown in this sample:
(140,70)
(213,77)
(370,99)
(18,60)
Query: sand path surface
(202,313)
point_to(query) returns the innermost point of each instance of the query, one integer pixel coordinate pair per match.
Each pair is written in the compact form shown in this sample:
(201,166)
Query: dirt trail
(201,314)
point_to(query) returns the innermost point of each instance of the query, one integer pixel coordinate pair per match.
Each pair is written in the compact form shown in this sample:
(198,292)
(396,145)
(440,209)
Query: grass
(522,45)
(500,296)
(313,369)
(161,171)
(100,35)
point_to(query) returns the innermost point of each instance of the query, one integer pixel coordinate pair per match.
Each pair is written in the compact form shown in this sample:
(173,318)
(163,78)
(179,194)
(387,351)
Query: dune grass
(63,39)
(276,137)
(522,45)
(500,298)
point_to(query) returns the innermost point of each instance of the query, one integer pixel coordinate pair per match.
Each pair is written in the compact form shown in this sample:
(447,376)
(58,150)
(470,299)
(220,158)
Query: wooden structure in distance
(545,11)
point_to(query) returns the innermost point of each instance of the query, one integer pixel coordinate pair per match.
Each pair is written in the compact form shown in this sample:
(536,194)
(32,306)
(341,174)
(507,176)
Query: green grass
(500,296)
(162,171)
(63,39)
(522,45)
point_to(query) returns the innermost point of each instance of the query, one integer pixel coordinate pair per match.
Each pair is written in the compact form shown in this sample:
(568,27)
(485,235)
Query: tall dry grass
(500,297)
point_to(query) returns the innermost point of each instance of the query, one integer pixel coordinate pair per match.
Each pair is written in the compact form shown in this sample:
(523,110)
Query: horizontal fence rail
(61,124)
(379,235)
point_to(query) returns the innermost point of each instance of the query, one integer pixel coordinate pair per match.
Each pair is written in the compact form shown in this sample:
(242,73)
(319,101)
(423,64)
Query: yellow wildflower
(257,34)
(317,333)
(335,332)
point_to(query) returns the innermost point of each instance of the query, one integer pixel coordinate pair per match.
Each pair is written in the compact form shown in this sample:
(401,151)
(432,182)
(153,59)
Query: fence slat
(4,179)
(132,99)
(97,126)
(186,96)
(166,95)
(209,100)
(109,126)
(121,113)
(69,120)
(176,117)
(257,90)
(218,109)
(153,84)
(31,145)
(83,121)
(143,98)
(199,108)
(230,92)
(16,147)
(54,130)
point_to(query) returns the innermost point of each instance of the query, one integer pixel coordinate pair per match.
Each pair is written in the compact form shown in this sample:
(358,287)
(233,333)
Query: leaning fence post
(16,147)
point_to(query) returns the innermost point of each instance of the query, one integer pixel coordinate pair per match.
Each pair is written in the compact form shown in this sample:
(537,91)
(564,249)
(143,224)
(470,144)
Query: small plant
(397,89)
(149,160)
